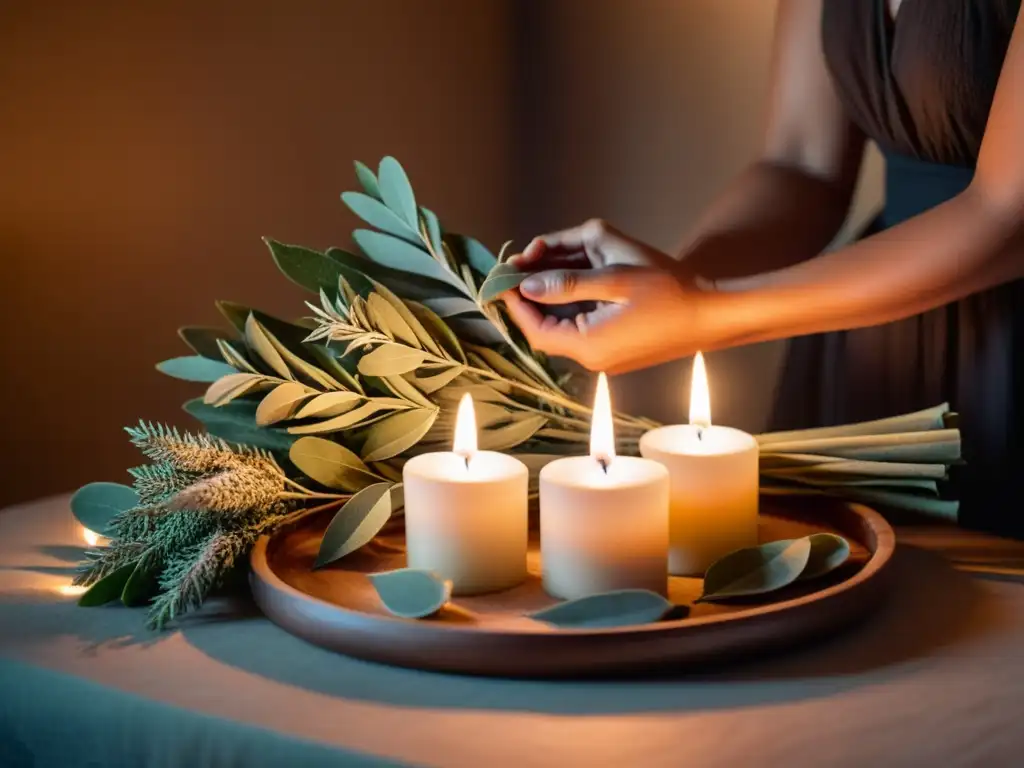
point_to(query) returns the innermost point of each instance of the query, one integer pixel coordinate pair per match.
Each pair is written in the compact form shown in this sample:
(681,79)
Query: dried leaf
(433,232)
(439,331)
(329,404)
(448,306)
(334,367)
(281,403)
(223,391)
(406,391)
(397,433)
(390,360)
(234,358)
(331,464)
(756,570)
(436,381)
(378,215)
(510,435)
(389,320)
(396,191)
(257,340)
(489,359)
(95,504)
(411,593)
(350,419)
(619,608)
(355,524)
(419,332)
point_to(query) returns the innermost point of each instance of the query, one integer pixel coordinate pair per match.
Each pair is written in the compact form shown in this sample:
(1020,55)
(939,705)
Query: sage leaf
(471,251)
(411,593)
(142,584)
(195,368)
(258,341)
(355,524)
(447,306)
(234,357)
(203,341)
(406,391)
(236,423)
(501,365)
(477,329)
(521,429)
(439,330)
(436,381)
(108,589)
(420,335)
(331,464)
(756,570)
(281,403)
(433,227)
(828,552)
(395,253)
(397,433)
(234,313)
(95,504)
(396,191)
(378,215)
(305,267)
(368,180)
(390,321)
(504,277)
(619,608)
(390,360)
(224,390)
(350,419)
(329,404)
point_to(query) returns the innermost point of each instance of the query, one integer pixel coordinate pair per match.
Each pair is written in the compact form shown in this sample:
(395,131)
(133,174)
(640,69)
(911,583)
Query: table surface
(936,675)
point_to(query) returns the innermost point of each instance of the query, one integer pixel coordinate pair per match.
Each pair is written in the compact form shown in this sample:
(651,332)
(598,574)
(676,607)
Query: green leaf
(95,504)
(203,341)
(258,341)
(142,585)
(236,423)
(395,253)
(281,403)
(194,368)
(390,360)
(433,227)
(448,306)
(396,434)
(521,429)
(361,272)
(504,277)
(107,589)
(411,593)
(329,404)
(756,570)
(234,313)
(620,608)
(828,552)
(439,330)
(331,464)
(350,419)
(368,180)
(355,524)
(305,267)
(224,390)
(378,215)
(396,191)
(472,252)
(476,329)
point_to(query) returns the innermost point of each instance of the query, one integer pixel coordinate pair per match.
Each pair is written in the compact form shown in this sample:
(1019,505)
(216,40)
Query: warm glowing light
(71,590)
(602,434)
(465,429)
(700,400)
(91,537)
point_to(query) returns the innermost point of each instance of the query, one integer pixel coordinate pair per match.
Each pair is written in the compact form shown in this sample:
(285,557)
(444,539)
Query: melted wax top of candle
(691,439)
(586,472)
(484,466)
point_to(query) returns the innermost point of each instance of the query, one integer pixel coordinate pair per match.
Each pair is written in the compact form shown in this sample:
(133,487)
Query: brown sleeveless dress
(921,85)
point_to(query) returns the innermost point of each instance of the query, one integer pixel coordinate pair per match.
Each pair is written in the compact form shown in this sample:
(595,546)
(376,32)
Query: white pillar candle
(466,513)
(713,475)
(603,518)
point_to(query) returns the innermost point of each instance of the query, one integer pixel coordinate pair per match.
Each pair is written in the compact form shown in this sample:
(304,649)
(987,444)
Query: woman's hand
(632,306)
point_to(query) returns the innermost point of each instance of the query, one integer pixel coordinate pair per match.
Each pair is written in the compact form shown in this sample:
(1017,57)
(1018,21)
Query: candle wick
(466,457)
(604,464)
(700,433)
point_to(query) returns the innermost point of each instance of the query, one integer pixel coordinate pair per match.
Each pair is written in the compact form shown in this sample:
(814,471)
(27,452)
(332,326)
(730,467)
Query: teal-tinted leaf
(378,215)
(433,226)
(236,423)
(477,329)
(194,368)
(411,593)
(395,253)
(305,267)
(609,609)
(396,191)
(203,341)
(756,570)
(331,464)
(95,504)
(504,277)
(391,360)
(142,585)
(108,589)
(355,524)
(397,433)
(368,180)
(470,251)
(828,552)
(447,306)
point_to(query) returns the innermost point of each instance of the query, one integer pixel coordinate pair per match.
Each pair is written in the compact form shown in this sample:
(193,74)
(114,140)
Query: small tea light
(714,483)
(603,518)
(466,512)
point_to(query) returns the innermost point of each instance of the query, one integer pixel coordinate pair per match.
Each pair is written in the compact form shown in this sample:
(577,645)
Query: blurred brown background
(145,149)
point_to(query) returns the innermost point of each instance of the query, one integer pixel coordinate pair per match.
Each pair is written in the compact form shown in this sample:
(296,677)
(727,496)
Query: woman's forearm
(769,217)
(963,246)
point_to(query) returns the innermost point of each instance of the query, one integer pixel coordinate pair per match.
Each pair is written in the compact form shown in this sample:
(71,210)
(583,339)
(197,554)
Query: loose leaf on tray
(95,504)
(108,589)
(195,368)
(331,464)
(756,570)
(356,523)
(504,277)
(828,552)
(411,593)
(609,609)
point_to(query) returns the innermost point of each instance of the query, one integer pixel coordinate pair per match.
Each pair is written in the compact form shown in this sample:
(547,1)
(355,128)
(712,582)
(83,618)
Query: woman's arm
(789,205)
(968,244)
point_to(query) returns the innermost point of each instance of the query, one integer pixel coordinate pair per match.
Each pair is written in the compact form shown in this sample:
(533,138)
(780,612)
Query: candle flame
(602,433)
(700,399)
(465,429)
(91,537)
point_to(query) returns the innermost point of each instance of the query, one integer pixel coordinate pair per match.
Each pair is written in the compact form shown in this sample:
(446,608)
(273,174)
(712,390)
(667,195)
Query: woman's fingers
(580,243)
(565,286)
(544,332)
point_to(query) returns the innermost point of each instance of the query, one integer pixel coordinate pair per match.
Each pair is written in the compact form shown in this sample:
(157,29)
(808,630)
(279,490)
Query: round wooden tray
(336,607)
